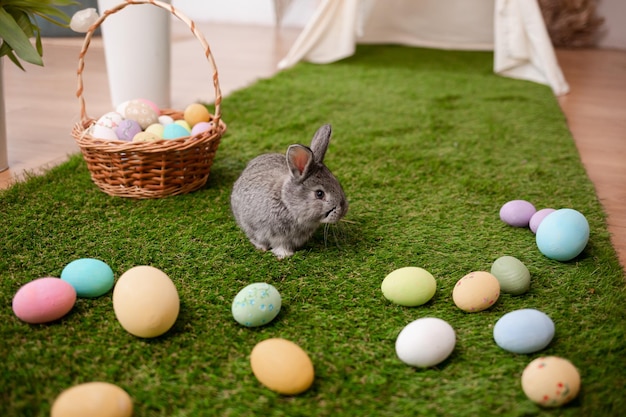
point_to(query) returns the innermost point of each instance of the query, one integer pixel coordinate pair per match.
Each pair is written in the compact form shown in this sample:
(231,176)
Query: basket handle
(180,16)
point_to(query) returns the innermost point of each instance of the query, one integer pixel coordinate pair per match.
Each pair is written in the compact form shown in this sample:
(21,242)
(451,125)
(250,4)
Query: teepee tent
(513,29)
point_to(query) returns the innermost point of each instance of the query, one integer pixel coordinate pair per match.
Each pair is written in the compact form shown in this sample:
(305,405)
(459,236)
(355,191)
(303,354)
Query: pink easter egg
(517,213)
(538,217)
(44,300)
(152,104)
(201,127)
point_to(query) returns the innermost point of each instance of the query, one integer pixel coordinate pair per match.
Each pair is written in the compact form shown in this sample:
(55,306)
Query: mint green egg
(409,286)
(512,274)
(256,305)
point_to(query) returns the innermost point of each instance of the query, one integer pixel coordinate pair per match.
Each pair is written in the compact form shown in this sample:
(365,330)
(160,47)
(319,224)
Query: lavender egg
(127,129)
(538,217)
(517,213)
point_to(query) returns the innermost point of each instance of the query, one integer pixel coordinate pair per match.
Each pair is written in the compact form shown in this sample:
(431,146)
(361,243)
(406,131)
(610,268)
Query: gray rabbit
(280,200)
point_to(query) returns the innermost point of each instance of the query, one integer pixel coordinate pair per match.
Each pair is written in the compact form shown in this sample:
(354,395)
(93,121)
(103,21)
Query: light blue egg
(89,277)
(174,131)
(563,234)
(256,305)
(524,331)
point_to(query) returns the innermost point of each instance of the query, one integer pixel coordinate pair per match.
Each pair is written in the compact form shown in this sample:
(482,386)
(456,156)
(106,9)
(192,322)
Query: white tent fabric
(513,29)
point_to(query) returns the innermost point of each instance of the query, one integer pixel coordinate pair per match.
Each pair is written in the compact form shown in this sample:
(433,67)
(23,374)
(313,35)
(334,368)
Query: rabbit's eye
(319,194)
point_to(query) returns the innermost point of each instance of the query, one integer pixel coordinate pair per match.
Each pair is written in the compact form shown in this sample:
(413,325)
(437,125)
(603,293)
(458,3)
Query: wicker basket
(149,169)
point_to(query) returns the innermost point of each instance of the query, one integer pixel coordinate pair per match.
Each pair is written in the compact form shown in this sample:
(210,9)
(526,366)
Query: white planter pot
(4,157)
(137,52)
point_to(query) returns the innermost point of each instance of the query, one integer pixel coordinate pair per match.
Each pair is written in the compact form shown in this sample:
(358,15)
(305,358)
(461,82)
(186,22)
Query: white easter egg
(111,120)
(102,132)
(425,342)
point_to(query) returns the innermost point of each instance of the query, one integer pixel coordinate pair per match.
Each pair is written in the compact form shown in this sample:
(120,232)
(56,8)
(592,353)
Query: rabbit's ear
(299,160)
(319,143)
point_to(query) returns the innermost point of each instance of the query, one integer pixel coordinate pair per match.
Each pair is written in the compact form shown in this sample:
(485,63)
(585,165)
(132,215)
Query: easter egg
(152,105)
(127,129)
(43,300)
(563,234)
(512,274)
(517,213)
(282,366)
(409,286)
(121,108)
(184,124)
(256,305)
(146,137)
(93,399)
(538,217)
(196,113)
(476,291)
(524,331)
(201,128)
(174,131)
(425,342)
(164,119)
(89,277)
(141,112)
(102,132)
(551,381)
(156,128)
(111,120)
(145,301)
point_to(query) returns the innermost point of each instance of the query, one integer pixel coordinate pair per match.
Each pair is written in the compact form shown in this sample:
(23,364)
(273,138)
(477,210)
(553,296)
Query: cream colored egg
(93,399)
(145,301)
(476,291)
(156,128)
(282,366)
(146,137)
(551,381)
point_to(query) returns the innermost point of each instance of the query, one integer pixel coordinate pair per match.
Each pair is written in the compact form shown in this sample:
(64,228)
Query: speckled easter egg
(524,331)
(512,274)
(145,301)
(89,277)
(282,366)
(152,105)
(43,300)
(141,112)
(111,120)
(196,113)
(476,291)
(174,131)
(93,399)
(256,304)
(201,127)
(425,342)
(146,137)
(563,234)
(409,286)
(538,217)
(517,213)
(551,381)
(127,129)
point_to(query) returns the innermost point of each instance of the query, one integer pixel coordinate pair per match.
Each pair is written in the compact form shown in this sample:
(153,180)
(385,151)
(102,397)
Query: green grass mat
(428,145)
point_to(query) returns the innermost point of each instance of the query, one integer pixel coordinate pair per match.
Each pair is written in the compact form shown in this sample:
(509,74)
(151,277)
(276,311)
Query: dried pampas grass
(572,23)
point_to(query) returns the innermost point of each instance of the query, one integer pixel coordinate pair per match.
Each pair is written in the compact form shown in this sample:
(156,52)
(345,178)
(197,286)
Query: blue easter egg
(174,131)
(89,277)
(563,234)
(524,331)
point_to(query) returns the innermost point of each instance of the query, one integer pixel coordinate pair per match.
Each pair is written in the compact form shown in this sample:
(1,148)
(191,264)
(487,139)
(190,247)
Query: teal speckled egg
(512,274)
(256,305)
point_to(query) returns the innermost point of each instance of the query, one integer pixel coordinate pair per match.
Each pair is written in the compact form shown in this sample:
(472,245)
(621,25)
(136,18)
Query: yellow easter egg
(196,113)
(282,366)
(146,137)
(94,399)
(551,381)
(476,291)
(156,128)
(145,301)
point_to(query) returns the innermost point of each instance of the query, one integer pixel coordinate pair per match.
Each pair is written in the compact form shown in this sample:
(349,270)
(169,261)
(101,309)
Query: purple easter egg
(201,127)
(536,218)
(127,129)
(517,213)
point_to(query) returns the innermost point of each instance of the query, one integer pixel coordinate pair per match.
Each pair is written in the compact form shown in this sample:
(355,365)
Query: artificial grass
(428,145)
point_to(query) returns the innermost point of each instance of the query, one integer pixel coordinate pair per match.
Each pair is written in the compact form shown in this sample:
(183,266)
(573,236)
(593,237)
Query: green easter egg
(409,286)
(256,305)
(512,275)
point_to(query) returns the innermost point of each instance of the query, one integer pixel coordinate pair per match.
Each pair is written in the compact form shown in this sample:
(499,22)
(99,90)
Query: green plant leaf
(14,36)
